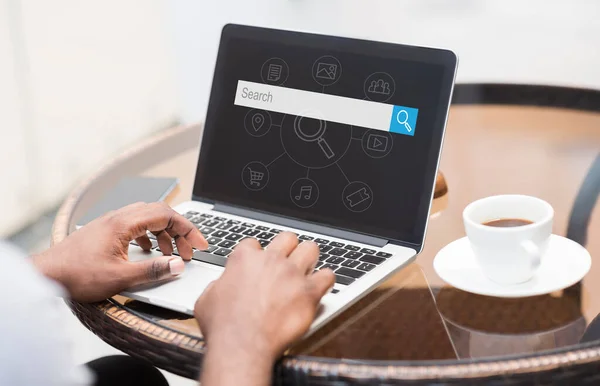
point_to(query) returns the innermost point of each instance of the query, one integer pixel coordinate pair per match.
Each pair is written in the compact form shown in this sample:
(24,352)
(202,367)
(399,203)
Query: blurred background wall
(82,80)
(79,81)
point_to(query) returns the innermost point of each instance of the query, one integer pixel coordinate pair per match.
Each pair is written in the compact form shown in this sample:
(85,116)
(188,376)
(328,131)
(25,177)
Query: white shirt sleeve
(34,348)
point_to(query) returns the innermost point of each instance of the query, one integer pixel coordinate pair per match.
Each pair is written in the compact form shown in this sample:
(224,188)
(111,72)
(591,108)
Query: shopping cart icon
(256,177)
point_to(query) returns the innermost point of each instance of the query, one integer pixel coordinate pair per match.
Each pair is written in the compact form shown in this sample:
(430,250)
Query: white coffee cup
(509,255)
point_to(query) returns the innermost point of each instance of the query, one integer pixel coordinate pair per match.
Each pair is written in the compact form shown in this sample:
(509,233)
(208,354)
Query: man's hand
(92,263)
(264,301)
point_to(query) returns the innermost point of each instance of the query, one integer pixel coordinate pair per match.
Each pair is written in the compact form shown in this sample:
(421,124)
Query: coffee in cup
(509,234)
(507,222)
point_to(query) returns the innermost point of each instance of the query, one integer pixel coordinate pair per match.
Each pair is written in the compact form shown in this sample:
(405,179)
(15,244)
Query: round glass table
(537,140)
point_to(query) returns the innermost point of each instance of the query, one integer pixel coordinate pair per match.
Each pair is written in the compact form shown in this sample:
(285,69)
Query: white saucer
(565,263)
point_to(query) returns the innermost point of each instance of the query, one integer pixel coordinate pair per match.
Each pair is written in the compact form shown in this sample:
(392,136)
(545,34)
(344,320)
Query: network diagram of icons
(317,143)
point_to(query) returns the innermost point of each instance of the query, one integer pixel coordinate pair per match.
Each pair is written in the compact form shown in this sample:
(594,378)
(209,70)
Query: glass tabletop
(545,152)
(551,153)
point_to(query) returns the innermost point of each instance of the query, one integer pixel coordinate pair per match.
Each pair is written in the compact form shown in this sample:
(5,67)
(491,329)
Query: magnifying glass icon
(316,136)
(404,121)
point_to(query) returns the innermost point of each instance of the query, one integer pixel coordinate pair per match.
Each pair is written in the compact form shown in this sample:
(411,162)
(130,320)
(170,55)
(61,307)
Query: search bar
(326,107)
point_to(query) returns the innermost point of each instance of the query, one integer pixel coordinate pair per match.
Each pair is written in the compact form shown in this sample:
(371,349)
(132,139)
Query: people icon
(379,86)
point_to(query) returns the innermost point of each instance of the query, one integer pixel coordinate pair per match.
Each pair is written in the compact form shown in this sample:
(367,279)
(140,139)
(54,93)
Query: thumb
(200,305)
(152,270)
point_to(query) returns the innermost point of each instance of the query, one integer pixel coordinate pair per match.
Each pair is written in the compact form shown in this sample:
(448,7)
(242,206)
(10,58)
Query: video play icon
(377,142)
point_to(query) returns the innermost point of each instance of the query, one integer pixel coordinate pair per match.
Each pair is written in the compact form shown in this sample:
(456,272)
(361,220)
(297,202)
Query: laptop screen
(338,132)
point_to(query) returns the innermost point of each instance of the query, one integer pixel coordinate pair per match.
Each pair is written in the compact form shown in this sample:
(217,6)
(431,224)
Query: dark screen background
(399,181)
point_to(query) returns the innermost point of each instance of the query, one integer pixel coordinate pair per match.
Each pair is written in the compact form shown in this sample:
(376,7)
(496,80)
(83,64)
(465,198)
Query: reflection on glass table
(483,326)
(398,320)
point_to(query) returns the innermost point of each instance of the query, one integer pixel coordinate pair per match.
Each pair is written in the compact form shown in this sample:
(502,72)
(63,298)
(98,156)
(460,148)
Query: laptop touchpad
(182,290)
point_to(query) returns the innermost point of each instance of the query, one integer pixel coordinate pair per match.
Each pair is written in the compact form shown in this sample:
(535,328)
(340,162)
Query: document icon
(326,70)
(274,73)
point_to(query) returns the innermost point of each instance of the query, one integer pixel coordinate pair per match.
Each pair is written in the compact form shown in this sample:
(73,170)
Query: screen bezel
(445,58)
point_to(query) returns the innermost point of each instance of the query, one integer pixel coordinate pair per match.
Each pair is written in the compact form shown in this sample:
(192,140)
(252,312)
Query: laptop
(335,139)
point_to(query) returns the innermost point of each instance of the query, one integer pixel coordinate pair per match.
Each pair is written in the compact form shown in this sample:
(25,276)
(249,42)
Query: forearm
(232,366)
(48,266)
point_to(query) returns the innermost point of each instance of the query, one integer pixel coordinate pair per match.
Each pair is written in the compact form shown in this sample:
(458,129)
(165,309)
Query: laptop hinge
(309,227)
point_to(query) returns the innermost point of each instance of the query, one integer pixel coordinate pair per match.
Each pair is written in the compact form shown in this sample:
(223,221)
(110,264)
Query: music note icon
(306,191)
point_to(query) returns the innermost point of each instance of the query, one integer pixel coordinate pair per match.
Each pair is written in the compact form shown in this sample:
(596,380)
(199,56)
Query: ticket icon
(355,198)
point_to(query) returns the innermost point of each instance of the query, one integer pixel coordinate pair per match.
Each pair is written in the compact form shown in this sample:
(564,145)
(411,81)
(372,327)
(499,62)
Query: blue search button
(404,120)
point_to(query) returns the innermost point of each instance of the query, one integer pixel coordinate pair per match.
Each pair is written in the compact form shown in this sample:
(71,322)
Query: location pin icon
(258,120)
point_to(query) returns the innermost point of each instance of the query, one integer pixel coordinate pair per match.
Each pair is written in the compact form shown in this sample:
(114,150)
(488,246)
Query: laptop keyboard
(349,262)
